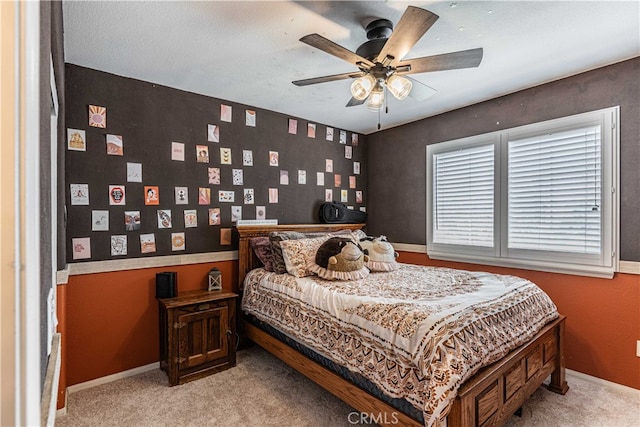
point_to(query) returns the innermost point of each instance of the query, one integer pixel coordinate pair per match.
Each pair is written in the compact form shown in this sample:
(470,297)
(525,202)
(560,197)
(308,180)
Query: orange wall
(109,321)
(603,317)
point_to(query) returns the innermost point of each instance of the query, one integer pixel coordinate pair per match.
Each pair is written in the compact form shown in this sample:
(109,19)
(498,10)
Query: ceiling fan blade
(331,78)
(419,90)
(326,45)
(410,28)
(447,61)
(353,102)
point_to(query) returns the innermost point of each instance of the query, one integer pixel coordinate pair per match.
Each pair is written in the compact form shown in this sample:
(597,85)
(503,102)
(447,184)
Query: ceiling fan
(380,60)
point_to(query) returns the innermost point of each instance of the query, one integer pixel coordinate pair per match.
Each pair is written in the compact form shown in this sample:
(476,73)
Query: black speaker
(167,284)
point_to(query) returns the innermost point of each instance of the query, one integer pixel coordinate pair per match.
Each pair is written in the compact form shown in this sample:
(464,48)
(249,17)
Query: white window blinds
(541,196)
(464,196)
(555,184)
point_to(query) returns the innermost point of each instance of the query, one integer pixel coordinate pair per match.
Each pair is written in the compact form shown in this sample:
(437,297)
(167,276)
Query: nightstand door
(202,335)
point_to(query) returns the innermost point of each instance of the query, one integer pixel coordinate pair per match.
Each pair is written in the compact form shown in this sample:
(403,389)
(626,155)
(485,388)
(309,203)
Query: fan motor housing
(378,32)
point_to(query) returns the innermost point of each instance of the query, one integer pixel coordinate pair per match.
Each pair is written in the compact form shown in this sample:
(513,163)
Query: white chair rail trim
(138,263)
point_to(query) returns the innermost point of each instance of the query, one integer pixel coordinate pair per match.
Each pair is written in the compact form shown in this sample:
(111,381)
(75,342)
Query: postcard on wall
(225,236)
(132,220)
(328,195)
(97,116)
(352,181)
(344,196)
(114,145)
(214,176)
(164,218)
(204,195)
(302,177)
(118,245)
(354,139)
(177,151)
(214,216)
(348,151)
(182,195)
(213,133)
(329,134)
(99,220)
(236,213)
(328,165)
(190,218)
(311,130)
(178,241)
(134,172)
(225,156)
(202,154)
(293,126)
(76,140)
(284,177)
(358,196)
(273,195)
(320,178)
(81,247)
(225,113)
(343,137)
(117,195)
(250,118)
(237,177)
(147,243)
(248,196)
(337,180)
(273,158)
(226,196)
(79,194)
(247,158)
(151,195)
(356,168)
(261,212)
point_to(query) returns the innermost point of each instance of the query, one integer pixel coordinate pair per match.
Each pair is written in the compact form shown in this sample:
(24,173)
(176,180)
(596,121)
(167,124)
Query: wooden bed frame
(489,398)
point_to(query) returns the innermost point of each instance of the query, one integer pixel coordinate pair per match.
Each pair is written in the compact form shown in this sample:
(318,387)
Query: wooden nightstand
(197,334)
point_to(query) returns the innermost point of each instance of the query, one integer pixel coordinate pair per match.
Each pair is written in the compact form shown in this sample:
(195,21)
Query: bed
(399,383)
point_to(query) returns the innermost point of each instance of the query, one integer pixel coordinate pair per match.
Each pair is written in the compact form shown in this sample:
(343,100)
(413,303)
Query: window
(541,196)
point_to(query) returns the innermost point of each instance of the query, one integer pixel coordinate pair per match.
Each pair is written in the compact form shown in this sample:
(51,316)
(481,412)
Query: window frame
(603,265)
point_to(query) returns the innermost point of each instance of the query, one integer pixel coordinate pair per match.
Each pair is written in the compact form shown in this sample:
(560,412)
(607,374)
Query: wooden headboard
(247,260)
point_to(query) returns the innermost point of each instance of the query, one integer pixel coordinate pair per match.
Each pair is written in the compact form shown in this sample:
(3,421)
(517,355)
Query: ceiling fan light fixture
(376,98)
(362,86)
(399,86)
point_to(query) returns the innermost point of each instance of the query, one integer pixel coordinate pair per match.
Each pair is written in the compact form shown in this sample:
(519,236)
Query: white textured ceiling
(249,52)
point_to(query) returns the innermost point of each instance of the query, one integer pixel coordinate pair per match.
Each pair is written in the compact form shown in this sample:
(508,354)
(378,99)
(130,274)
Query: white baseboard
(113,377)
(604,383)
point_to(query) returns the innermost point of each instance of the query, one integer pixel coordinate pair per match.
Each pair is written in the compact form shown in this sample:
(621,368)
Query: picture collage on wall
(178,207)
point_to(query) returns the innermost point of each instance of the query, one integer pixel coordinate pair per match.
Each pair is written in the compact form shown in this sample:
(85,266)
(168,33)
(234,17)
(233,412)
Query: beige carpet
(263,391)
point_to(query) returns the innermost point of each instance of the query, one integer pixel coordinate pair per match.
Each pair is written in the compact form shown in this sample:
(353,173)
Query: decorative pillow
(262,248)
(382,256)
(276,238)
(297,253)
(359,234)
(339,258)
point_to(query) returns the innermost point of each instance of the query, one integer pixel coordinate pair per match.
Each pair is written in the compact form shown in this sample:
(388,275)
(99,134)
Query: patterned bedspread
(417,333)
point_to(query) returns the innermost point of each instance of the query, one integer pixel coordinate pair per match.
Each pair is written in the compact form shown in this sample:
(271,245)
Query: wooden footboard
(491,396)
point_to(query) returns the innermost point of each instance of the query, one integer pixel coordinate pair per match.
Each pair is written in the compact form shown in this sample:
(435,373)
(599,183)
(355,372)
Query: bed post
(558,382)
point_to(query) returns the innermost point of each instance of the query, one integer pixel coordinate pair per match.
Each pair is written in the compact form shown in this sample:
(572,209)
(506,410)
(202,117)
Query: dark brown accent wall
(149,117)
(397,157)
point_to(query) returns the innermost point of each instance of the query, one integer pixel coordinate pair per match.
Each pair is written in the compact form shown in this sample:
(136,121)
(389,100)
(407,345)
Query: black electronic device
(167,284)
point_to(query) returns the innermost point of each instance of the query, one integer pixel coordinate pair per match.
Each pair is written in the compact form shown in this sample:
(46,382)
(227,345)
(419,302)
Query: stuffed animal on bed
(340,258)
(382,256)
